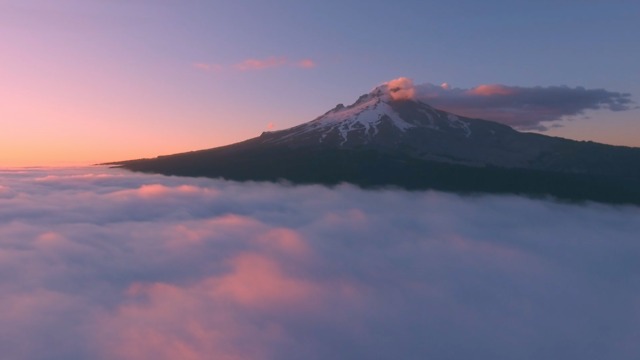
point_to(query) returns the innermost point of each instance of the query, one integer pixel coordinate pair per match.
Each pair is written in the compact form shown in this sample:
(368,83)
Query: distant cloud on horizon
(261,64)
(525,108)
(257,64)
(208,67)
(306,64)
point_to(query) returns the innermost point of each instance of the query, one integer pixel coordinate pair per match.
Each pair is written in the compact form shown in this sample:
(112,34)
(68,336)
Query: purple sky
(84,81)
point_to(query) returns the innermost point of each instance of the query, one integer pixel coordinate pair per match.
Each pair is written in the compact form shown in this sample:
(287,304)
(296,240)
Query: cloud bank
(103,264)
(526,108)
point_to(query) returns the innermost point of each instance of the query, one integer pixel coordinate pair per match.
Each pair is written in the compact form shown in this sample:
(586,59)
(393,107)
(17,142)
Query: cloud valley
(105,264)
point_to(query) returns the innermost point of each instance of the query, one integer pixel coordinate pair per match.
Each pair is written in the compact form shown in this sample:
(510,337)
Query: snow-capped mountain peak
(373,114)
(389,137)
(366,113)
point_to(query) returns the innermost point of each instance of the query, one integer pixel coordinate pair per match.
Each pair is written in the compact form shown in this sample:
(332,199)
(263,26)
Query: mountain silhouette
(381,141)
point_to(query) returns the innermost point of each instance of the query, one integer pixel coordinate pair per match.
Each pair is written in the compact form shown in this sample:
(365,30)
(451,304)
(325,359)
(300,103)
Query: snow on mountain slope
(366,118)
(388,137)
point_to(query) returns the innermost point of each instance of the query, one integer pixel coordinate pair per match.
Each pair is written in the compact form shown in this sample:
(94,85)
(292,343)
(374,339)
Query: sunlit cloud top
(104,264)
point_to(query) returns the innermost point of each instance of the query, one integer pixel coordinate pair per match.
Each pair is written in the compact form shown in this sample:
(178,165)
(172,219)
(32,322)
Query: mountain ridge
(416,145)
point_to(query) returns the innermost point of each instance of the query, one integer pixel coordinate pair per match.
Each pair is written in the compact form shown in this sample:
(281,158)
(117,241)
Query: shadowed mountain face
(379,141)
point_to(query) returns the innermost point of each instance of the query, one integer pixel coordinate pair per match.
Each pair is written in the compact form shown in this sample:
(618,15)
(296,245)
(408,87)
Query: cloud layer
(524,108)
(103,264)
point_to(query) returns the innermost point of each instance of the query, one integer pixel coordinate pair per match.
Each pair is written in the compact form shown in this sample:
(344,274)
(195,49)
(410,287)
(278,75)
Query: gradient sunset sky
(87,81)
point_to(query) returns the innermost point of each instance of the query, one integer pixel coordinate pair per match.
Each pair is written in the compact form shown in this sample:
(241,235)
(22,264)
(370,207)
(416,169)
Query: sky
(87,81)
(99,263)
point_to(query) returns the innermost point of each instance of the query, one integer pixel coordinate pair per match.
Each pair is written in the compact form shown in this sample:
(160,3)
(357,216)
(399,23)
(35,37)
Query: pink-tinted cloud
(5,192)
(164,321)
(261,64)
(103,264)
(401,89)
(286,241)
(209,67)
(162,191)
(270,62)
(306,64)
(524,108)
(491,89)
(257,281)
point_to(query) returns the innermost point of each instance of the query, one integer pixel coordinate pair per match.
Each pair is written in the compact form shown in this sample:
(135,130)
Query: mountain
(386,140)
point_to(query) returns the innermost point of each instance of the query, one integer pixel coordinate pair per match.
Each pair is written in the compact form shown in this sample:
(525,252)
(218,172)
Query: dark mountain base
(373,169)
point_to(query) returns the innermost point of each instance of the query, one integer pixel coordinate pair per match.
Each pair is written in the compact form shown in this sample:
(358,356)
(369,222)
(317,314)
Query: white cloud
(102,264)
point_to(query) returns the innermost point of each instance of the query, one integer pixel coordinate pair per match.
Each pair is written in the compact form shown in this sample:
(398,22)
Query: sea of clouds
(99,263)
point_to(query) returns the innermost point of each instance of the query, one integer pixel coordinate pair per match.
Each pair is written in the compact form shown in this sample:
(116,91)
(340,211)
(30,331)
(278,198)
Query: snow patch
(367,113)
(455,122)
(364,118)
(432,123)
